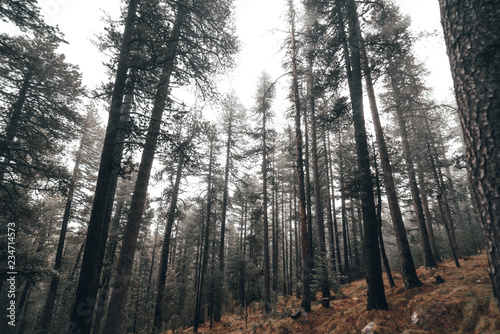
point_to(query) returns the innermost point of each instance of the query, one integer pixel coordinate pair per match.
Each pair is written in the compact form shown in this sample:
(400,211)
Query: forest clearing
(152,185)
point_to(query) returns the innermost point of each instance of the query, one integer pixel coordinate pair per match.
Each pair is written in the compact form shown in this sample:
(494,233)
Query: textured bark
(373,265)
(472,35)
(408,271)
(138,203)
(83,306)
(306,263)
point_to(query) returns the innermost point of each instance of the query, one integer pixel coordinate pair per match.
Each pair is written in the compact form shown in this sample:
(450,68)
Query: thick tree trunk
(103,294)
(138,203)
(304,238)
(80,320)
(375,284)
(472,33)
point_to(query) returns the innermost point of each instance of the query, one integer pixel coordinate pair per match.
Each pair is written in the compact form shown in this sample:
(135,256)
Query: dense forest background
(155,201)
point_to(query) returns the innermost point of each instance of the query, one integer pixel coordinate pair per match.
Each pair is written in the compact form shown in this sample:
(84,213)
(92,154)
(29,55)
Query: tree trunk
(335,226)
(51,296)
(304,238)
(89,275)
(472,31)
(204,262)
(446,217)
(329,199)
(218,296)
(318,205)
(347,270)
(375,284)
(162,272)
(267,277)
(408,271)
(429,260)
(385,261)
(13,124)
(137,206)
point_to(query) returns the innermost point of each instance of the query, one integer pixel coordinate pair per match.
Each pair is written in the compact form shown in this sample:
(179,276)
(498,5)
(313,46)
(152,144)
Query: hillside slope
(463,303)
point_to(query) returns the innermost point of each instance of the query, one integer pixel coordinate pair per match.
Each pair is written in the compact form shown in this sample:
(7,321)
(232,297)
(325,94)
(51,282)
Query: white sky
(260,25)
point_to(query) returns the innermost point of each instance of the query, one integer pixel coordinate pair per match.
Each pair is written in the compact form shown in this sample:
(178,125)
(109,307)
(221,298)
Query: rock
(370,328)
(415,319)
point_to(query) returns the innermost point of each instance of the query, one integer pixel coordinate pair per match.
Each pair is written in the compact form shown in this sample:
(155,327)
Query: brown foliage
(464,303)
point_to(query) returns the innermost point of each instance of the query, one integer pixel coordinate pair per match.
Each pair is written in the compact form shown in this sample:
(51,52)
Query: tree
(375,293)
(474,61)
(181,154)
(26,15)
(233,112)
(97,229)
(408,272)
(264,97)
(89,145)
(318,200)
(38,101)
(306,264)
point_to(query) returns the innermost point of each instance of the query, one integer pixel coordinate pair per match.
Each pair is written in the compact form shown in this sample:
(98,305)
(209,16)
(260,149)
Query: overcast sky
(260,25)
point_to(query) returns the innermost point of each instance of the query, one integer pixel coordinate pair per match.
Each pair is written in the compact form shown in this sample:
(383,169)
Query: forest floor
(463,303)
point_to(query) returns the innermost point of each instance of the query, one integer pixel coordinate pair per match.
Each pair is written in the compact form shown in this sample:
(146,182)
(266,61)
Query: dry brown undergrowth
(462,304)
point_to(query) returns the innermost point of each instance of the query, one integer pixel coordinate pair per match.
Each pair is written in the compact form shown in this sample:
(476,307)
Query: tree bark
(472,32)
